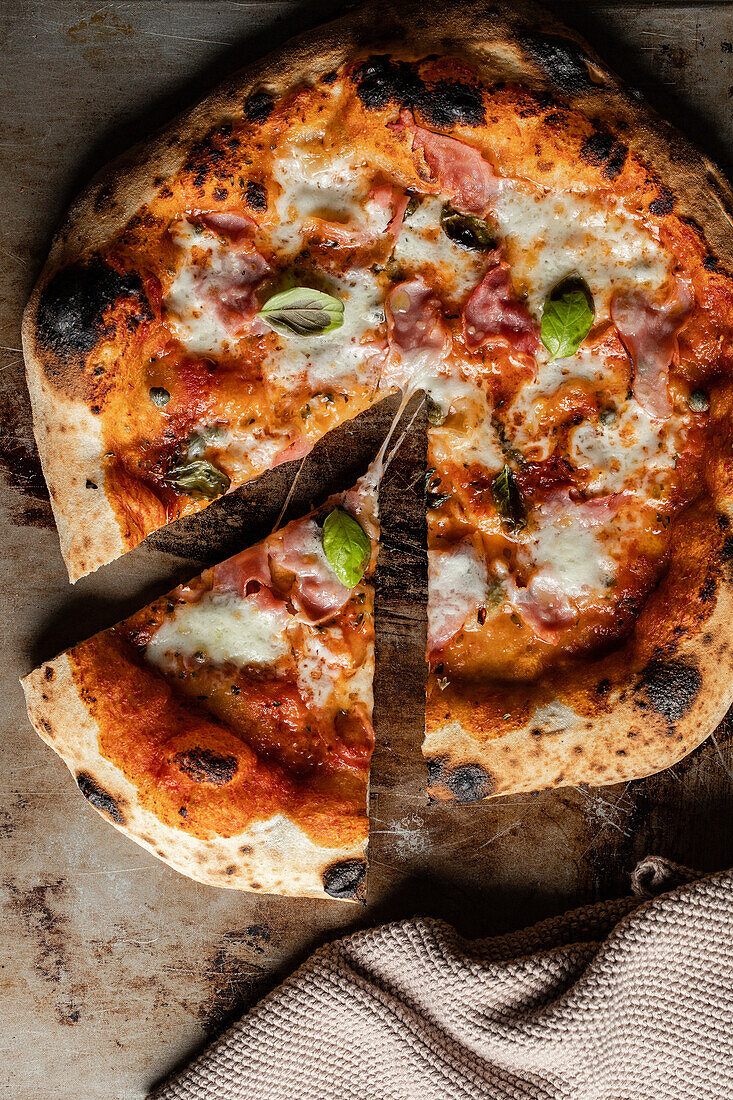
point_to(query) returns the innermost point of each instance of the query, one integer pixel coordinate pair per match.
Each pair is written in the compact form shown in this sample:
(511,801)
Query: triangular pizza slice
(227,726)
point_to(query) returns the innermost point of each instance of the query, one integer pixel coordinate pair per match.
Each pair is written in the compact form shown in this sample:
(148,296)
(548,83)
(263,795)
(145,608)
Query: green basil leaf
(467,230)
(508,499)
(698,401)
(159,396)
(567,316)
(412,204)
(303,311)
(198,479)
(436,416)
(347,546)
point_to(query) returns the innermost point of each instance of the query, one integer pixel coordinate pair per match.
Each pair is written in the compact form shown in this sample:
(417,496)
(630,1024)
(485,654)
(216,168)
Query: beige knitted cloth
(629,1000)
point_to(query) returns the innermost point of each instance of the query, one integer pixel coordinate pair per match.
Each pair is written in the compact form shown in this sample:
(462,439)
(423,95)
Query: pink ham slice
(230,293)
(248,574)
(492,312)
(414,318)
(457,170)
(235,227)
(317,592)
(299,449)
(649,333)
(394,200)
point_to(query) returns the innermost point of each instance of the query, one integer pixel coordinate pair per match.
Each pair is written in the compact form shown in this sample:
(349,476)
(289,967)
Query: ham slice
(491,312)
(246,571)
(394,200)
(299,449)
(456,170)
(649,333)
(414,318)
(236,227)
(317,592)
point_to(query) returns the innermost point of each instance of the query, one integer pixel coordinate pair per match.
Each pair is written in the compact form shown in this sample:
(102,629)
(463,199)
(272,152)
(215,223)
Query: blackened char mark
(101,800)
(671,687)
(258,107)
(443,103)
(72,306)
(206,766)
(466,783)
(255,195)
(605,152)
(345,879)
(561,60)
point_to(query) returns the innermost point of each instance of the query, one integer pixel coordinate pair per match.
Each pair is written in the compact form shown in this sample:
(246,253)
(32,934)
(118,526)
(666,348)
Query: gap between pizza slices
(471,207)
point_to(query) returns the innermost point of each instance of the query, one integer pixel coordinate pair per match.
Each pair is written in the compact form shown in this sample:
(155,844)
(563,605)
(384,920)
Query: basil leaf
(303,311)
(436,416)
(198,479)
(698,401)
(412,204)
(508,499)
(159,396)
(567,316)
(466,230)
(347,546)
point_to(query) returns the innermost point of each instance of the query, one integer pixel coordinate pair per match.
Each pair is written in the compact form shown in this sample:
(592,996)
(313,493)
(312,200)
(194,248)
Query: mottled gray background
(113,967)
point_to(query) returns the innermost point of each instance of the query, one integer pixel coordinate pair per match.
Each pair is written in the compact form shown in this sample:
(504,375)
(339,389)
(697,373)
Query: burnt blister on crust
(99,798)
(381,81)
(72,306)
(206,766)
(258,107)
(671,687)
(465,783)
(559,59)
(603,151)
(345,879)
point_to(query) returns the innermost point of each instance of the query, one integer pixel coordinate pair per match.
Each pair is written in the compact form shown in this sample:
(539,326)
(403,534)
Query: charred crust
(345,879)
(603,151)
(255,195)
(560,60)
(258,107)
(708,588)
(99,798)
(104,198)
(670,687)
(466,783)
(603,687)
(220,193)
(48,672)
(381,81)
(206,766)
(663,204)
(72,305)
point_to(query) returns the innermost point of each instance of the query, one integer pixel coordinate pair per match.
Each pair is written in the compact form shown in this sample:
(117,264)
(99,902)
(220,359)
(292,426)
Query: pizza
(226,727)
(468,204)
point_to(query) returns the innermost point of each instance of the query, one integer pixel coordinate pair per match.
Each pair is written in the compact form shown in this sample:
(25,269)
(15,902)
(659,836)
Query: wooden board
(114,968)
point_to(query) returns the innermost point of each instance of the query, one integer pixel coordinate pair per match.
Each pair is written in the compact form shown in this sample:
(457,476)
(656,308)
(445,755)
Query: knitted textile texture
(627,1000)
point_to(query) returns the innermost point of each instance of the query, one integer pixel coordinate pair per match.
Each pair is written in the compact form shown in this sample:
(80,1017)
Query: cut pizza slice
(226,727)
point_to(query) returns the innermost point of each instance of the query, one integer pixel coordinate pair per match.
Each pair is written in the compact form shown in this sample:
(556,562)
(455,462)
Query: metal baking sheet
(114,968)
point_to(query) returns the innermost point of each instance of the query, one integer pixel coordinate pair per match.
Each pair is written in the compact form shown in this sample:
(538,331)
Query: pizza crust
(272,857)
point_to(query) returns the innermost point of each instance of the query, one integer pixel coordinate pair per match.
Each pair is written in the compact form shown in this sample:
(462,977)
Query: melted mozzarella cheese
(571,552)
(457,585)
(624,454)
(348,354)
(326,674)
(423,247)
(327,185)
(224,628)
(191,313)
(550,235)
(470,437)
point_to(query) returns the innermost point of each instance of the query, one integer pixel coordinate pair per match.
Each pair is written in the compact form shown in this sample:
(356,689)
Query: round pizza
(464,203)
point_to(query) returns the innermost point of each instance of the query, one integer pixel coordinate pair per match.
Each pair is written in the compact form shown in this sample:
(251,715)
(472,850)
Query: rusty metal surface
(113,967)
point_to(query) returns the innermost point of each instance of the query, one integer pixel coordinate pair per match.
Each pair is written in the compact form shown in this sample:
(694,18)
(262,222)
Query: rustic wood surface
(114,968)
